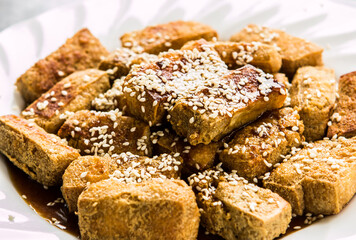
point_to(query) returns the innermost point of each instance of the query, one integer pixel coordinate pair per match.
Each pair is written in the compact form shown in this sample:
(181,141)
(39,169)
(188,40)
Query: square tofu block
(319,179)
(295,52)
(82,51)
(344,115)
(173,35)
(41,155)
(73,93)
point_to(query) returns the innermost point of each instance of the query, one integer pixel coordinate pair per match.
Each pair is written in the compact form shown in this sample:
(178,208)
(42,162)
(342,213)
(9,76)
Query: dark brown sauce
(37,197)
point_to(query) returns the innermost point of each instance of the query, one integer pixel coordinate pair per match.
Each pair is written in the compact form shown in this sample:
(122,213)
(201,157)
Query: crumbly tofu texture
(100,133)
(256,149)
(295,52)
(162,37)
(82,51)
(343,120)
(195,158)
(313,91)
(238,54)
(235,209)
(125,167)
(41,155)
(244,95)
(73,93)
(157,209)
(81,172)
(118,63)
(319,179)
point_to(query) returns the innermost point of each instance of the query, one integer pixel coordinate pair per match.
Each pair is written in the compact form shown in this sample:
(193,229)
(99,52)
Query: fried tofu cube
(255,149)
(73,93)
(238,54)
(157,209)
(41,155)
(319,179)
(344,115)
(125,167)
(172,35)
(100,133)
(236,99)
(295,52)
(235,209)
(313,91)
(118,63)
(82,51)
(82,172)
(199,157)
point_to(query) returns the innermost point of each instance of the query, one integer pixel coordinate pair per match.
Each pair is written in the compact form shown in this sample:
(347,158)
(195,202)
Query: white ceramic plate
(328,23)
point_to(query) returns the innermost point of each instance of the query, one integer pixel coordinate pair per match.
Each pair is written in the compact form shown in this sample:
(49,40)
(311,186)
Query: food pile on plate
(178,129)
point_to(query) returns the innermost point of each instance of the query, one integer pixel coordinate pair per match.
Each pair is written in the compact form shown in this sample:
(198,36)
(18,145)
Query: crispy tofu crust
(124,167)
(344,115)
(313,91)
(295,52)
(238,54)
(234,209)
(251,93)
(157,209)
(319,179)
(41,155)
(172,35)
(255,149)
(106,133)
(80,52)
(199,157)
(118,63)
(72,94)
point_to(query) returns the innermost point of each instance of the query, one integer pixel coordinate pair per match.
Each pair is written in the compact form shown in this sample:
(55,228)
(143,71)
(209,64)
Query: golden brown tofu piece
(82,51)
(295,52)
(199,157)
(100,133)
(319,179)
(344,115)
(238,54)
(172,35)
(235,209)
(41,155)
(257,148)
(236,99)
(72,94)
(118,63)
(313,91)
(82,172)
(157,209)
(125,167)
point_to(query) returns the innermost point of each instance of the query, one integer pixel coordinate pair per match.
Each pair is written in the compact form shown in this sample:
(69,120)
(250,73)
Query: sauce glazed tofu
(41,155)
(295,52)
(82,51)
(162,37)
(74,93)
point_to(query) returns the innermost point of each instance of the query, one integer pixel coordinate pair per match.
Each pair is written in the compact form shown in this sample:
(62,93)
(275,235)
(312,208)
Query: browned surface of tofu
(256,149)
(237,98)
(156,209)
(72,94)
(82,51)
(125,167)
(295,52)
(235,209)
(344,115)
(313,91)
(319,179)
(41,155)
(106,133)
(172,35)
